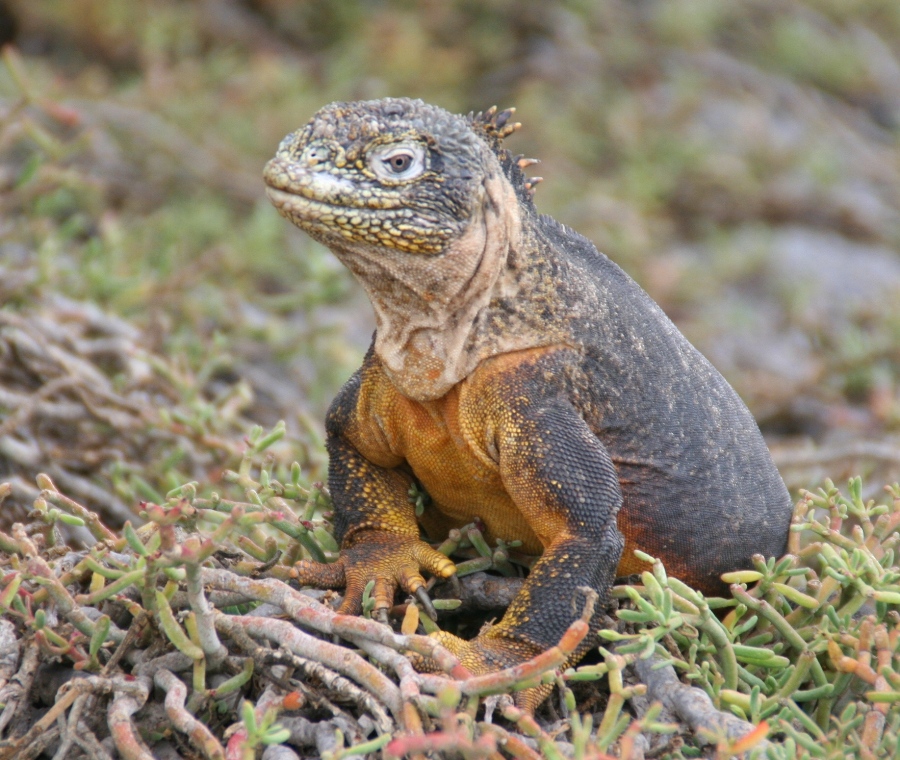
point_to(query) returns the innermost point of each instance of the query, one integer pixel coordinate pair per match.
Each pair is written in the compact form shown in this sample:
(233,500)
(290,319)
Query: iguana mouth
(304,209)
(328,205)
(321,203)
(317,217)
(322,188)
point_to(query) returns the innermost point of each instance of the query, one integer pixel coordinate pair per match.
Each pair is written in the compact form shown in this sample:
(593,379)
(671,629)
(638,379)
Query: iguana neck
(439,316)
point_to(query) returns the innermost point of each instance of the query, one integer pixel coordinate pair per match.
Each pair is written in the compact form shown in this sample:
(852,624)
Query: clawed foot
(393,562)
(491,652)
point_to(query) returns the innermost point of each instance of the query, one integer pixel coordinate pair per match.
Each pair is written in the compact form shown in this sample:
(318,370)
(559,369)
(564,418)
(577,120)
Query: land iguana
(517,375)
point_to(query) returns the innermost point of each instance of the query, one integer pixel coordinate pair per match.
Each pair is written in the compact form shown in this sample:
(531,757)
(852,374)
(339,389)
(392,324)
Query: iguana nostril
(315,155)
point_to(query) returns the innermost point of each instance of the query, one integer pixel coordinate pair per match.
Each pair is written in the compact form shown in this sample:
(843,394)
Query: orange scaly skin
(379,438)
(518,376)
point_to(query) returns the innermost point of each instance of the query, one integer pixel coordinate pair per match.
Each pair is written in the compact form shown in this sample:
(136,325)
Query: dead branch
(691,704)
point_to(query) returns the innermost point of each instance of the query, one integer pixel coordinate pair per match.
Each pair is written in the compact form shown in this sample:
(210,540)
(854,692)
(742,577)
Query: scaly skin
(517,375)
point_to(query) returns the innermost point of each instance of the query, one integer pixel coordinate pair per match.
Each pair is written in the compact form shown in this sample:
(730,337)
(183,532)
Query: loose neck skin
(434,312)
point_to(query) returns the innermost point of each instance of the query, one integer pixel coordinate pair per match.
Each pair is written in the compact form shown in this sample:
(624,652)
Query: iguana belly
(462,483)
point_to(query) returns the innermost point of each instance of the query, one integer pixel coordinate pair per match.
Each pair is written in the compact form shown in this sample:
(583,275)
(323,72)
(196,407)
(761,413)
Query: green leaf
(173,631)
(98,638)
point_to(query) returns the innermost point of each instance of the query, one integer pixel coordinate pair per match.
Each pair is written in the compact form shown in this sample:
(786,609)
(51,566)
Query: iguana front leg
(564,483)
(374,521)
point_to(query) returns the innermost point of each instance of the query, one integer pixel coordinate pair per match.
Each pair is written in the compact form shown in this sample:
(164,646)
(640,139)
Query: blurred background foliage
(740,160)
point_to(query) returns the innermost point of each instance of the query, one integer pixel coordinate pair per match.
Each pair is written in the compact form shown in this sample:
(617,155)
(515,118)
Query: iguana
(517,375)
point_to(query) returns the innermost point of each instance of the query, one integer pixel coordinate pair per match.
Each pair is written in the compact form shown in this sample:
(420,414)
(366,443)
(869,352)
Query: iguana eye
(397,162)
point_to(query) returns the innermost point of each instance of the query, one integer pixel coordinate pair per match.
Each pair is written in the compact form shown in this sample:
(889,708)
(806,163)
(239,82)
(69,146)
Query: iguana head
(392,173)
(429,212)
